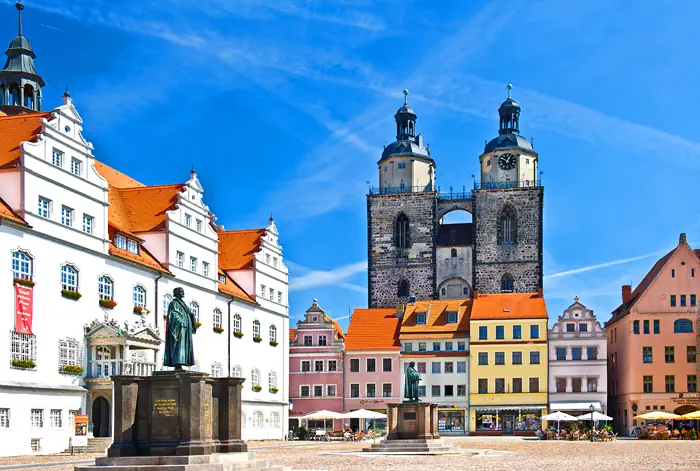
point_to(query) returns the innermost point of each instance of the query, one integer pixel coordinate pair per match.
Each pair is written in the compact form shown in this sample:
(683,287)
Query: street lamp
(592,408)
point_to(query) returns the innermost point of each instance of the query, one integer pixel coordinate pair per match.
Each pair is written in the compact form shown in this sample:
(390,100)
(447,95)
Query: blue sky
(283,107)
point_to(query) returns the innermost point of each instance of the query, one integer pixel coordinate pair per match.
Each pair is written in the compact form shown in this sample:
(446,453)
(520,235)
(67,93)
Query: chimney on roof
(476,293)
(539,293)
(626,293)
(400,309)
(682,239)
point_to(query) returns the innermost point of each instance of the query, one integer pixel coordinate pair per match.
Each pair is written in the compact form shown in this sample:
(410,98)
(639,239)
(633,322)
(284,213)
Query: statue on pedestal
(180,327)
(411,383)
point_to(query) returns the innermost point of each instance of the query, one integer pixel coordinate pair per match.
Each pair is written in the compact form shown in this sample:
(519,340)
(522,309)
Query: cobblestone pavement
(506,454)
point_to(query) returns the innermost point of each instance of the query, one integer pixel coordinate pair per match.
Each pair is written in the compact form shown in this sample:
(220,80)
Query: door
(100,418)
(507,425)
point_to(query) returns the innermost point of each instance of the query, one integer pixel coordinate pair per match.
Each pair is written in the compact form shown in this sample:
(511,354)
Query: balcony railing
(103,369)
(455,195)
(395,190)
(507,184)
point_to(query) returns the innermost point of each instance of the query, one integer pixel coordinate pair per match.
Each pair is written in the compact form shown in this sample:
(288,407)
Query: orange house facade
(652,341)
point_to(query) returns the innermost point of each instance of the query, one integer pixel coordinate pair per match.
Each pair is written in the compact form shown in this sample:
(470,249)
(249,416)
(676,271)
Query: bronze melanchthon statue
(411,383)
(180,327)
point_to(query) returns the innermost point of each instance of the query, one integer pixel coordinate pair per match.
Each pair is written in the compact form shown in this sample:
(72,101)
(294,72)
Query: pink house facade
(315,367)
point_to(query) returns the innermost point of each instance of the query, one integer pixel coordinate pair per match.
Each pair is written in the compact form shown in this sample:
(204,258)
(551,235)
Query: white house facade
(91,257)
(577,362)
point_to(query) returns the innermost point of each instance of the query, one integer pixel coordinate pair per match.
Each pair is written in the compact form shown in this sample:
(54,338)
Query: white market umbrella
(596,417)
(363,414)
(322,415)
(559,416)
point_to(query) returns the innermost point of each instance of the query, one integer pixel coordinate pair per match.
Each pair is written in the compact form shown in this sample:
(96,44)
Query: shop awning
(580,405)
(500,408)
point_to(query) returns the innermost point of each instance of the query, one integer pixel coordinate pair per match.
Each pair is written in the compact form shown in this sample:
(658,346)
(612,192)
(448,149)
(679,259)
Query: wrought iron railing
(395,190)
(453,194)
(506,184)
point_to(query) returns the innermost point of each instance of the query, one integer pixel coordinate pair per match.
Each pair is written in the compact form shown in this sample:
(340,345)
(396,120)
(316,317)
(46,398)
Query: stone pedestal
(176,414)
(412,421)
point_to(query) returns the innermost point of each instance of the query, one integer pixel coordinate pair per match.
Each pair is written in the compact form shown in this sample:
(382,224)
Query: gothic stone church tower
(413,255)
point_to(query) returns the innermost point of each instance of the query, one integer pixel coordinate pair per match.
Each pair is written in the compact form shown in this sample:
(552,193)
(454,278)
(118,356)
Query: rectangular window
(56,418)
(500,358)
(647,355)
(386,364)
(120,242)
(354,390)
(304,391)
(534,331)
(37,418)
(421,391)
(436,365)
(354,365)
(371,365)
(44,209)
(23,346)
(461,346)
(88,223)
(67,216)
(331,390)
(646,326)
(648,384)
(692,354)
(408,347)
(193,264)
(500,386)
(483,386)
(461,367)
(449,367)
(279,297)
(318,365)
(132,246)
(371,390)
(180,259)
(421,347)
(561,353)
(386,390)
(57,158)
(188,220)
(262,291)
(461,390)
(435,391)
(449,390)
(305,366)
(683,300)
(4,418)
(75,166)
(322,340)
(318,391)
(35,444)
(592,353)
(693,301)
(448,346)
(657,326)
(483,358)
(534,358)
(199,225)
(421,367)
(272,294)
(571,327)
(436,346)
(483,332)
(534,385)
(561,384)
(205,268)
(583,327)
(592,384)
(575,384)
(517,385)
(669,354)
(420,319)
(517,358)
(451,317)
(500,332)
(635,327)
(670,383)
(692,383)
(576,353)
(673,300)
(517,332)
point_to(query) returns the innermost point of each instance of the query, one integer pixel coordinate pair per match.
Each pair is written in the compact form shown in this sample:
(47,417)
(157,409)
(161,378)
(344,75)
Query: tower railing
(395,190)
(507,184)
(455,195)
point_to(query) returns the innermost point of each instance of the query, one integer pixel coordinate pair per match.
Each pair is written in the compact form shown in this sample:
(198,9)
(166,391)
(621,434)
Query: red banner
(24,307)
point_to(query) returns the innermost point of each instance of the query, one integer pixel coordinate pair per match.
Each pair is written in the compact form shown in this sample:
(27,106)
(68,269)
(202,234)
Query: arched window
(216,318)
(69,278)
(167,299)
(194,307)
(507,225)
(272,379)
(105,288)
(70,352)
(255,377)
(217,371)
(453,253)
(507,283)
(237,323)
(256,328)
(402,232)
(258,419)
(682,326)
(237,371)
(404,288)
(274,420)
(139,296)
(273,333)
(21,265)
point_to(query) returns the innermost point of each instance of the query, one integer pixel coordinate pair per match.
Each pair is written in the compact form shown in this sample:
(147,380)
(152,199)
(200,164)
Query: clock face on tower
(507,161)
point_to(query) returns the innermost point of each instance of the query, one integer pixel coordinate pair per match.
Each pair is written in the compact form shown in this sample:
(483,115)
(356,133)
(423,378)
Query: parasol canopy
(596,416)
(322,415)
(559,416)
(691,416)
(657,415)
(363,414)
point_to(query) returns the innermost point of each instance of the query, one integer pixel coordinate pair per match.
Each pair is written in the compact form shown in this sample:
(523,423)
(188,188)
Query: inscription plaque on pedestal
(165,414)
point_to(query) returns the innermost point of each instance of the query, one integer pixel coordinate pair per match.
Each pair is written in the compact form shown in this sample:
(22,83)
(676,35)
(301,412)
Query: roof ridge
(241,230)
(147,187)
(24,115)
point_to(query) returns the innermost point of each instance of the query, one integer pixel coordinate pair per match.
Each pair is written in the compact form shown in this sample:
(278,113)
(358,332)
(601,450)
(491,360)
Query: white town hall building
(89,259)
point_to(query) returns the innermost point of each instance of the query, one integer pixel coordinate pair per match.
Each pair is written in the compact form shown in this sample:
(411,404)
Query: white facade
(577,362)
(59,168)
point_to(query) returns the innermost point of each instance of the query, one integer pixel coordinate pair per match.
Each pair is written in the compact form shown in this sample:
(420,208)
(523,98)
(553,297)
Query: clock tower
(507,215)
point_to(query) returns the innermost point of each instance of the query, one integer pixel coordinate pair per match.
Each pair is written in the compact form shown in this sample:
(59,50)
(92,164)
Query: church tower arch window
(402,232)
(507,225)
(404,288)
(507,283)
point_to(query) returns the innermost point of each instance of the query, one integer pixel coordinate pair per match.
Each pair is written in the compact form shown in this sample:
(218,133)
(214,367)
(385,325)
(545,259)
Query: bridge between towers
(454,200)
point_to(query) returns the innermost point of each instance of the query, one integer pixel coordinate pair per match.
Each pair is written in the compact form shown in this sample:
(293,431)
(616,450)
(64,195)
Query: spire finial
(66,94)
(19,7)
(405,97)
(509,87)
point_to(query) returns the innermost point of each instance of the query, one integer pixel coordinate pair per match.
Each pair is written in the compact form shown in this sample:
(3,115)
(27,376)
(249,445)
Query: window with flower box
(21,265)
(139,297)
(23,350)
(69,278)
(255,377)
(256,329)
(70,356)
(105,288)
(273,333)
(237,323)
(216,318)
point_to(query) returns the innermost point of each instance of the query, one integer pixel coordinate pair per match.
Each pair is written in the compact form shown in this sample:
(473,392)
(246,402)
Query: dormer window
(451,317)
(120,242)
(132,246)
(420,319)
(222,279)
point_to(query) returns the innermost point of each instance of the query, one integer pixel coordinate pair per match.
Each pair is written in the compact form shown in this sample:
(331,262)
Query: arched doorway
(100,417)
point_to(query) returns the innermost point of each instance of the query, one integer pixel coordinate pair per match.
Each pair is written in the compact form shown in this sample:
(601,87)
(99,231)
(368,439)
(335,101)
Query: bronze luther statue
(411,383)
(180,327)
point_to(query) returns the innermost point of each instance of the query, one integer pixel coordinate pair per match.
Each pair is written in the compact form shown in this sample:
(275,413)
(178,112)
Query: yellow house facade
(508,364)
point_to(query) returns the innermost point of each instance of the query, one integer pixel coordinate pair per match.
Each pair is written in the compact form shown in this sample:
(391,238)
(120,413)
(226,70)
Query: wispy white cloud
(597,266)
(335,277)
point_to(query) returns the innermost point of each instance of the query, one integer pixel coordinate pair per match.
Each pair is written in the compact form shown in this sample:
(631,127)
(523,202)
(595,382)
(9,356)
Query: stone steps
(245,461)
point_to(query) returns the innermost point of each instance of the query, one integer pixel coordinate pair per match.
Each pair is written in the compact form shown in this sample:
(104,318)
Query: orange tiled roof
(338,330)
(237,248)
(6,212)
(292,335)
(115,178)
(373,329)
(144,257)
(142,209)
(509,306)
(233,289)
(14,130)
(437,316)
